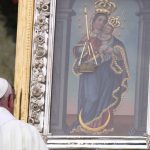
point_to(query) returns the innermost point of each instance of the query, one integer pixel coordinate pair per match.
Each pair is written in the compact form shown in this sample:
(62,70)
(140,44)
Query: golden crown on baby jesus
(105,6)
(114,22)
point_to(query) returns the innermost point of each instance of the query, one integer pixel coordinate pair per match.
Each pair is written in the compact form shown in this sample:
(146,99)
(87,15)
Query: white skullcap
(3,87)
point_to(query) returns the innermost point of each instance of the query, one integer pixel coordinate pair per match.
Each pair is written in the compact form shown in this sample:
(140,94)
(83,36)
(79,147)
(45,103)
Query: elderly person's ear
(11,103)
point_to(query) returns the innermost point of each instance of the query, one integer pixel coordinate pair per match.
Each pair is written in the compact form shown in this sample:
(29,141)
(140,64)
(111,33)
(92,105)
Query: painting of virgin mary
(98,77)
(100,91)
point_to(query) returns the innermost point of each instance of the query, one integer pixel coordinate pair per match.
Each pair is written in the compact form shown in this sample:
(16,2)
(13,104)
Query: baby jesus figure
(106,38)
(98,49)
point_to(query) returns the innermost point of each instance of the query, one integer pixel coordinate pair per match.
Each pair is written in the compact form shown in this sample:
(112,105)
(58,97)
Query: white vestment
(17,135)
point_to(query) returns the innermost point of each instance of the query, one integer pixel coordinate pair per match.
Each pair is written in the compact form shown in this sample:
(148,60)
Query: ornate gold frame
(23,57)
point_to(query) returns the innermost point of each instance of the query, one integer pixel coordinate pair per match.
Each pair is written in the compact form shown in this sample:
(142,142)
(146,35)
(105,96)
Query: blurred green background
(8,27)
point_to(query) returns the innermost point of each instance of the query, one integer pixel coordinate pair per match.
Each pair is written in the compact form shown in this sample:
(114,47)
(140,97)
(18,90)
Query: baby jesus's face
(108,29)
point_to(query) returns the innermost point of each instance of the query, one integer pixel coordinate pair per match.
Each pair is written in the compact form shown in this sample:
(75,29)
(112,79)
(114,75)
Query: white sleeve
(36,141)
(17,135)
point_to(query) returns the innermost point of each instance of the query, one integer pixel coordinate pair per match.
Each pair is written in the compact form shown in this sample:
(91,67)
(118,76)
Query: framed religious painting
(90,73)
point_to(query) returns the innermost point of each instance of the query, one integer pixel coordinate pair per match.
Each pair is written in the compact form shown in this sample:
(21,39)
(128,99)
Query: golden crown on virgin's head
(105,6)
(114,22)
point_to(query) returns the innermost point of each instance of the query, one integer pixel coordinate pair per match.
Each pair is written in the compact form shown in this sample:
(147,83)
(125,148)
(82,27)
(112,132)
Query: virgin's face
(100,22)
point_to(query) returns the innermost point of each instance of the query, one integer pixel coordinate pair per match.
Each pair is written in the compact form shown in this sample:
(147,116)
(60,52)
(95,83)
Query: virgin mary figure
(100,91)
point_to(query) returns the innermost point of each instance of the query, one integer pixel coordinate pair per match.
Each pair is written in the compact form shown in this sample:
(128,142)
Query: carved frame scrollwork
(39,63)
(41,85)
